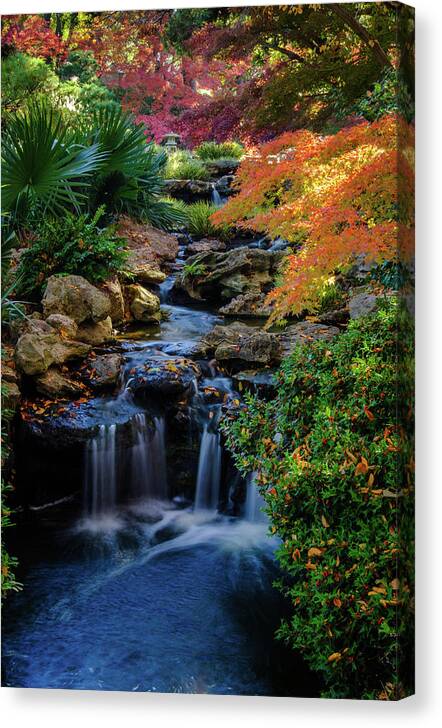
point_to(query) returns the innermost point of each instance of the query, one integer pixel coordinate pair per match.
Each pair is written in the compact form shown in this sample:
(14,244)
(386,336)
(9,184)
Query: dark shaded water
(121,609)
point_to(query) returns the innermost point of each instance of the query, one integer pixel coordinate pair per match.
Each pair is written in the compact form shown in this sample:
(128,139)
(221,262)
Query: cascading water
(148,459)
(101,473)
(209,470)
(217,199)
(254,502)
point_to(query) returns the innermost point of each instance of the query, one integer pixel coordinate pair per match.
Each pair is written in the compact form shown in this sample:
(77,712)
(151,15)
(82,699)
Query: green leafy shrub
(81,65)
(194,270)
(226,150)
(334,459)
(181,165)
(24,79)
(199,222)
(72,245)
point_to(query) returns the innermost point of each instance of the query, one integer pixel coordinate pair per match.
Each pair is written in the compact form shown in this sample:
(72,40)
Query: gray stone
(75,297)
(65,326)
(112,289)
(305,332)
(35,353)
(240,342)
(54,384)
(143,304)
(95,333)
(362,302)
(105,370)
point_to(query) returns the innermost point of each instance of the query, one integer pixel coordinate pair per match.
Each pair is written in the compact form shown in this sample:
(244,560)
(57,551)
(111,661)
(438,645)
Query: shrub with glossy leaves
(75,245)
(334,459)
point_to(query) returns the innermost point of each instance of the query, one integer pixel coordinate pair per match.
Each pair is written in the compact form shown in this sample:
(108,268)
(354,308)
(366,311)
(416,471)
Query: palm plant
(42,166)
(130,179)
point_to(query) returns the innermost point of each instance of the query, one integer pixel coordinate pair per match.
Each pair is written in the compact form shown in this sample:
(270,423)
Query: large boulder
(143,304)
(241,343)
(10,396)
(112,289)
(104,370)
(362,302)
(189,189)
(66,327)
(54,384)
(36,352)
(305,332)
(75,297)
(95,333)
(227,275)
(205,245)
(162,378)
(148,248)
(251,304)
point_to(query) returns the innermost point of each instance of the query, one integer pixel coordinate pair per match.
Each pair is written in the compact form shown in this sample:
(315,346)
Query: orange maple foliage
(334,197)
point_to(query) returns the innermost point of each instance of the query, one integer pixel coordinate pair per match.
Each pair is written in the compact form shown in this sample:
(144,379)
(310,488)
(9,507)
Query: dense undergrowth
(333,453)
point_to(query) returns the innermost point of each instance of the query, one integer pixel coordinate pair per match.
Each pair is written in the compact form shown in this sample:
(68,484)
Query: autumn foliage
(333,197)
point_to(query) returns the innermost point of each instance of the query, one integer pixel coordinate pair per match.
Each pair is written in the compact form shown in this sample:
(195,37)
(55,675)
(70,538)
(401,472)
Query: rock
(54,384)
(217,167)
(143,304)
(305,332)
(148,248)
(9,374)
(112,289)
(35,353)
(97,333)
(338,317)
(362,302)
(189,189)
(205,245)
(29,325)
(66,327)
(243,343)
(105,370)
(10,397)
(230,274)
(75,297)
(164,378)
(250,304)
(148,274)
(263,382)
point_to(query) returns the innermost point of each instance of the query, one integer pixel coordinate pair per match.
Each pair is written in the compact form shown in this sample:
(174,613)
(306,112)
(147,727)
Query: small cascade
(209,470)
(165,288)
(217,199)
(101,473)
(148,459)
(254,502)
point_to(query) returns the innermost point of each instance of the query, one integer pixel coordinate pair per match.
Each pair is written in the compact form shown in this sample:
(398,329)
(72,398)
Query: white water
(216,198)
(148,459)
(101,473)
(254,502)
(209,471)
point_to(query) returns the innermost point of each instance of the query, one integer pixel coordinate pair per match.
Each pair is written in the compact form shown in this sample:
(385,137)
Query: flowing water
(143,592)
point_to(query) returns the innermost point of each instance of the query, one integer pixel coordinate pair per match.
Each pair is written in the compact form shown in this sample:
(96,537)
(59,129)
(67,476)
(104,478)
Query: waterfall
(101,473)
(254,502)
(209,471)
(216,197)
(148,459)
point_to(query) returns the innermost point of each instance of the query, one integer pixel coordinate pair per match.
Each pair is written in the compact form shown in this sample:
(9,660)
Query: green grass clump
(181,165)
(200,224)
(226,150)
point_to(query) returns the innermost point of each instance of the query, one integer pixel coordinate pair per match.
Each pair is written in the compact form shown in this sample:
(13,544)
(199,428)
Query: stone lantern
(171,142)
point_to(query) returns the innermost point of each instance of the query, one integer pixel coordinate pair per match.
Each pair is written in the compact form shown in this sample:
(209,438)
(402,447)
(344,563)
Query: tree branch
(362,32)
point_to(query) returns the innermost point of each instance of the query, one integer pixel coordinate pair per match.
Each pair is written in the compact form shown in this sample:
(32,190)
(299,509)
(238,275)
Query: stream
(152,593)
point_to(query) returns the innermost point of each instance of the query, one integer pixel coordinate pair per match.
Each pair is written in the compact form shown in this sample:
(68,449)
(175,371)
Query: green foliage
(387,96)
(199,222)
(42,165)
(74,244)
(331,297)
(181,165)
(79,64)
(23,79)
(334,459)
(226,150)
(9,563)
(194,270)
